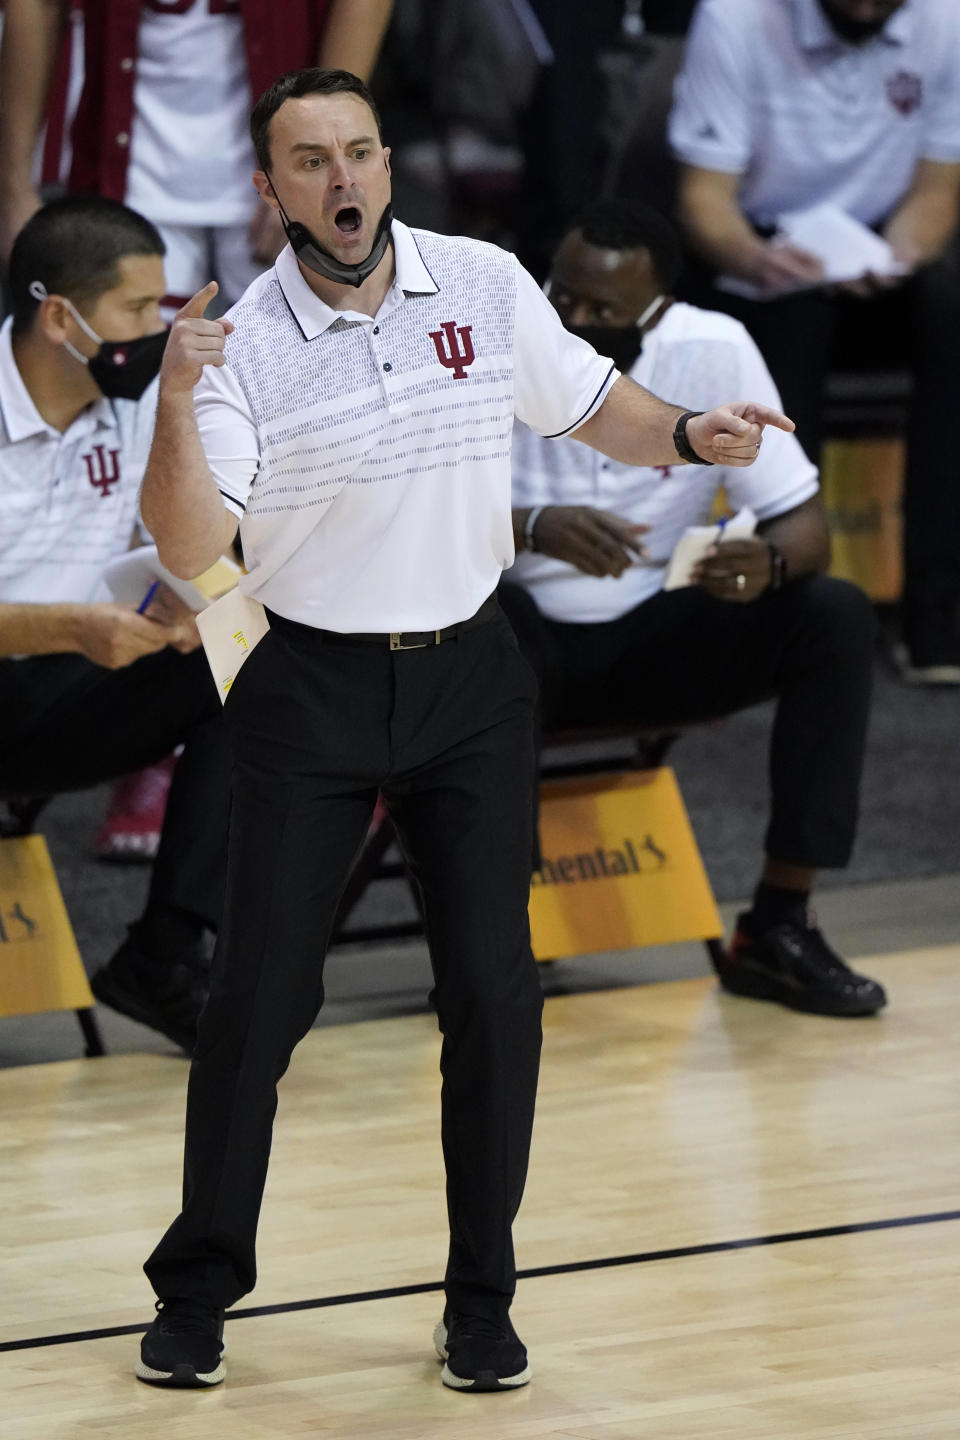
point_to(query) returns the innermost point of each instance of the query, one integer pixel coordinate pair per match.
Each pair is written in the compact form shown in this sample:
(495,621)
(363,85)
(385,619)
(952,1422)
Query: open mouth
(348,220)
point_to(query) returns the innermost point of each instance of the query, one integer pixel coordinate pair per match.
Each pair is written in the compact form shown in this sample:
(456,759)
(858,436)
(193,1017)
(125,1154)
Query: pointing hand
(194,342)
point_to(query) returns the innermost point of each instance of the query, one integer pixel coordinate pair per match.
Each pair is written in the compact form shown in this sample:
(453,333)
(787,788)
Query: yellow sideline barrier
(862,484)
(40,965)
(620,867)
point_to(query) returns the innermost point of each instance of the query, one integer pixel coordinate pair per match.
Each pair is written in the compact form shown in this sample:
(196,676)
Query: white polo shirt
(68,502)
(369,457)
(769,91)
(191,156)
(698,358)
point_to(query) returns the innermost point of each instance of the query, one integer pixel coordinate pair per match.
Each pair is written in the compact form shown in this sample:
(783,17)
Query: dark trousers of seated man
(320,725)
(67,724)
(682,657)
(916,328)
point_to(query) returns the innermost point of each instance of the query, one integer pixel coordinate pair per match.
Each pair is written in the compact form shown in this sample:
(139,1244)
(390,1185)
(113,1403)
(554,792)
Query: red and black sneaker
(130,834)
(792,964)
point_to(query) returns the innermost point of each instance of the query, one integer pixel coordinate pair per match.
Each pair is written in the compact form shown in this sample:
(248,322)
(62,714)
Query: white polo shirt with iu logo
(769,91)
(68,502)
(368,458)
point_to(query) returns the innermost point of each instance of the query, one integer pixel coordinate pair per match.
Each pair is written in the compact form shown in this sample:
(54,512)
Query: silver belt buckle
(395,643)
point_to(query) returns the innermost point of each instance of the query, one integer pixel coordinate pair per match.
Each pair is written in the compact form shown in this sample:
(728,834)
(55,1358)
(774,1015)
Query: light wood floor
(670,1116)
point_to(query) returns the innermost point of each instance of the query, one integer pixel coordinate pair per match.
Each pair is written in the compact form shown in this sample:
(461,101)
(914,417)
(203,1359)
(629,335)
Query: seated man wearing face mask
(760,619)
(91,689)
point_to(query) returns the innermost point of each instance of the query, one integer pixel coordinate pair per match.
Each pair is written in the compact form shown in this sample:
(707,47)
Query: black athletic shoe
(167,996)
(183,1346)
(480,1355)
(793,964)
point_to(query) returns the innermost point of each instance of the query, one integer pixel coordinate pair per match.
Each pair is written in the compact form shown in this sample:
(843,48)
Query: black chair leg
(93,1040)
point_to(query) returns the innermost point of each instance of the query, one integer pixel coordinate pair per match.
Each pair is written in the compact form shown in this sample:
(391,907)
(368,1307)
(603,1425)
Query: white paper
(231,628)
(846,248)
(130,576)
(697,540)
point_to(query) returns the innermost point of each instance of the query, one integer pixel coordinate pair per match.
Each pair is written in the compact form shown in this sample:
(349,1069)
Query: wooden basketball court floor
(740,1222)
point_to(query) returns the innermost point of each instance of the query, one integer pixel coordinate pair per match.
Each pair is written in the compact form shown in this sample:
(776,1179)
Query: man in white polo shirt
(787,104)
(354,412)
(91,689)
(612,647)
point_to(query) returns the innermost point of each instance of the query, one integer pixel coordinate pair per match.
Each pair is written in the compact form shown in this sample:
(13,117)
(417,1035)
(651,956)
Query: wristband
(682,445)
(529,539)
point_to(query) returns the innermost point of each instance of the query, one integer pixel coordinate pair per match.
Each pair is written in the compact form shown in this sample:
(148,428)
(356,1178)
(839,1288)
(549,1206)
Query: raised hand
(732,434)
(193,343)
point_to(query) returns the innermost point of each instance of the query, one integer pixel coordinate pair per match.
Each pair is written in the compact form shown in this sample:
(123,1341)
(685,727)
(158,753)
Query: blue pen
(148,597)
(721,526)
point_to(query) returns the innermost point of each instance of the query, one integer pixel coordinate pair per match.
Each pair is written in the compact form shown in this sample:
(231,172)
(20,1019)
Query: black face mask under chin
(307,248)
(622,343)
(121,369)
(856,31)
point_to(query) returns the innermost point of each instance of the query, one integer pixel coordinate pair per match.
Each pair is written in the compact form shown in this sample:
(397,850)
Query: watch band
(682,445)
(778,566)
(529,539)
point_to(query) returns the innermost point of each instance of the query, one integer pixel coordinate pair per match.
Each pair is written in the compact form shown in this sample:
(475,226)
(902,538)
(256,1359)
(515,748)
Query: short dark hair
(620,224)
(293,86)
(73,247)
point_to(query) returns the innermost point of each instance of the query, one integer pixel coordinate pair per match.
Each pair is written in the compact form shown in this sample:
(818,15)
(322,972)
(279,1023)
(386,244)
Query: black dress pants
(916,326)
(683,657)
(67,724)
(446,733)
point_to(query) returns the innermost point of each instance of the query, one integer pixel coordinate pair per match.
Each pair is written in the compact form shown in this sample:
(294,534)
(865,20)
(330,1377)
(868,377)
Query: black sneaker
(167,996)
(793,964)
(480,1355)
(183,1346)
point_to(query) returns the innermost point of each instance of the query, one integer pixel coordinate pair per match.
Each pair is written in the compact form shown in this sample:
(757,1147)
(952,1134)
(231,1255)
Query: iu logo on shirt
(103,469)
(905,91)
(454,347)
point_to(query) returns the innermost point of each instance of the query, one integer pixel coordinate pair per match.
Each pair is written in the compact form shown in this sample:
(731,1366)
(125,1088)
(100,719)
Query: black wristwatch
(778,566)
(683,447)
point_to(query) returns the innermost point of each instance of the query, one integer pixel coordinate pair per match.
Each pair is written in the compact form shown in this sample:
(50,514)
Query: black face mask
(623,343)
(307,248)
(856,31)
(121,369)
(124,368)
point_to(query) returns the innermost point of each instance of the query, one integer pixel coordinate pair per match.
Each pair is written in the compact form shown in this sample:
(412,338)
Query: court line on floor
(573,1267)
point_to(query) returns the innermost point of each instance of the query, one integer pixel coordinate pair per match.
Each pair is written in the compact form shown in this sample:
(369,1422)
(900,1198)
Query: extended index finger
(766,415)
(195,306)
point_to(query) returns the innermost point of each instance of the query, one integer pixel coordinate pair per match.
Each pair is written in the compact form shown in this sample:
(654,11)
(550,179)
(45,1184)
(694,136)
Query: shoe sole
(739,979)
(184,1377)
(125,1004)
(945,673)
(486,1383)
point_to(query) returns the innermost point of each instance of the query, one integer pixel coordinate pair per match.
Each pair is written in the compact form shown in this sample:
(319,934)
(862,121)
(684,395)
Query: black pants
(446,733)
(683,657)
(67,724)
(916,327)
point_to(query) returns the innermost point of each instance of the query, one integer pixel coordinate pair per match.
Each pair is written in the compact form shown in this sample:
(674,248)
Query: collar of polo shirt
(814,31)
(21,418)
(314,316)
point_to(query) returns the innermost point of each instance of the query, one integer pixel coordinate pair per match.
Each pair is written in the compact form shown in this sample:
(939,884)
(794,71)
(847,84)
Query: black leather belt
(391,640)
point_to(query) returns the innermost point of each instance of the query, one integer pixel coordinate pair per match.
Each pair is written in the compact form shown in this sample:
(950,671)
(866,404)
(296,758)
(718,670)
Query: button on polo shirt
(769,91)
(369,457)
(67,501)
